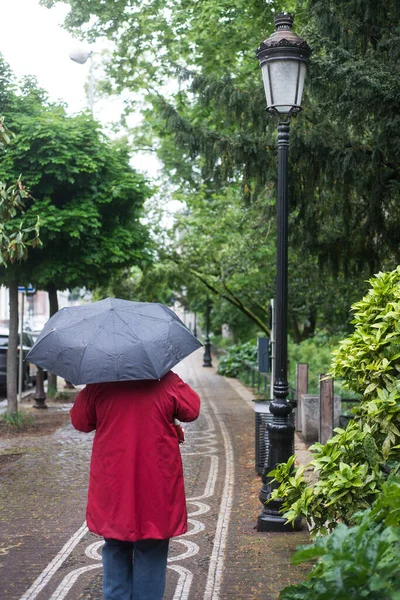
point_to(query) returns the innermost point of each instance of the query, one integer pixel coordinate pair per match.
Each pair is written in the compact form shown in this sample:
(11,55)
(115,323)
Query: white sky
(33,42)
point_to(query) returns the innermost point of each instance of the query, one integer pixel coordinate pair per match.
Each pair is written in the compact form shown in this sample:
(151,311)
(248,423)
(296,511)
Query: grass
(18,420)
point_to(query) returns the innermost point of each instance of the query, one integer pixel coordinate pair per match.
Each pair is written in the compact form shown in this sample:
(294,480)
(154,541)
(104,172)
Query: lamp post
(207,361)
(81,57)
(195,324)
(283,60)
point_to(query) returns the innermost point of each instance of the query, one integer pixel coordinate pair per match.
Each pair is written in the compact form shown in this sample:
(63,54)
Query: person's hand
(180,432)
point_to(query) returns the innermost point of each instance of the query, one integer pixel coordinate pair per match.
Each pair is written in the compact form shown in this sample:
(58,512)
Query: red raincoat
(136,488)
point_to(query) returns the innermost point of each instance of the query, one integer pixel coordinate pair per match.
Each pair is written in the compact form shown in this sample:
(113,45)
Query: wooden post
(301,388)
(326,415)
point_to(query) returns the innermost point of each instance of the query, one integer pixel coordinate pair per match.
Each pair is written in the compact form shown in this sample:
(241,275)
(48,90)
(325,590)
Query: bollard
(301,389)
(40,394)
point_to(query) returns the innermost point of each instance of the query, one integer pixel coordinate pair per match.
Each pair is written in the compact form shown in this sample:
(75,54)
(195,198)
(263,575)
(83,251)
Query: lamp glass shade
(283,83)
(79,56)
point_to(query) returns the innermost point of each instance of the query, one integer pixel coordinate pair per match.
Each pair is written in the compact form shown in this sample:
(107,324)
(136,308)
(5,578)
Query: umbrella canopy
(112,340)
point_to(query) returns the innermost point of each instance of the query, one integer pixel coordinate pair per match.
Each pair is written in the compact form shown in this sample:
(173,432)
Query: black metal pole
(280,430)
(207,345)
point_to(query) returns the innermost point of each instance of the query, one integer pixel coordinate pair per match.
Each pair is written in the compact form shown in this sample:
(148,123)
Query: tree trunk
(52,378)
(296,333)
(12,353)
(309,327)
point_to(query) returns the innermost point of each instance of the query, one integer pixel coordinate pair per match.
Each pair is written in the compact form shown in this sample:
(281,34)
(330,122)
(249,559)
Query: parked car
(28,370)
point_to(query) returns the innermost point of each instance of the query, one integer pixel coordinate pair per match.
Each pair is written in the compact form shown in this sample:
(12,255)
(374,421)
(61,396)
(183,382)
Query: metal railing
(251,376)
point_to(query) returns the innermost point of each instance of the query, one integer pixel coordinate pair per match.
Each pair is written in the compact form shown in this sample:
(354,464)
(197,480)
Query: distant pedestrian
(136,497)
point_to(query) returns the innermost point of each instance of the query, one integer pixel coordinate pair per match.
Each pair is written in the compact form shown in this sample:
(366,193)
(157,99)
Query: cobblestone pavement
(46,552)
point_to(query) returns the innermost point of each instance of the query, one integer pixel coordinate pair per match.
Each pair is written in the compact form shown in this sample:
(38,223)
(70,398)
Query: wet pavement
(46,552)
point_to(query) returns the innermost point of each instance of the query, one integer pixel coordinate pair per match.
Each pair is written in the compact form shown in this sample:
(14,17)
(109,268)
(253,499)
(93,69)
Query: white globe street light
(81,56)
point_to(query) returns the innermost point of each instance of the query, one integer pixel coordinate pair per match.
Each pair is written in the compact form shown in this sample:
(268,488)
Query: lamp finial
(283,20)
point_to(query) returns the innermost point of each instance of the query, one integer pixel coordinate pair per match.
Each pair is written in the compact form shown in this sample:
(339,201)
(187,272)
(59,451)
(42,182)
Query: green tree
(88,197)
(344,159)
(227,248)
(15,237)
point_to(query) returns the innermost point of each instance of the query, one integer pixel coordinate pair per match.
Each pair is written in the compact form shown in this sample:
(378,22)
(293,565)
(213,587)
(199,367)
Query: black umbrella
(112,340)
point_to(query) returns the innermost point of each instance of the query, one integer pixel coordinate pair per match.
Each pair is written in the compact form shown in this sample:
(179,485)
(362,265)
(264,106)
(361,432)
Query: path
(46,552)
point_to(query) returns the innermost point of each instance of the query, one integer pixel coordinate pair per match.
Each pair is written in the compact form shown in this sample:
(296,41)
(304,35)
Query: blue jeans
(142,580)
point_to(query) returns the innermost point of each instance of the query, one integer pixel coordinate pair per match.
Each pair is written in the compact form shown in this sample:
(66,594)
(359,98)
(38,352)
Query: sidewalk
(257,565)
(46,552)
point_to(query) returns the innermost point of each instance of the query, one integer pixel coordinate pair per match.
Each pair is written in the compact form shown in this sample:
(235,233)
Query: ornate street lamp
(207,360)
(283,60)
(81,56)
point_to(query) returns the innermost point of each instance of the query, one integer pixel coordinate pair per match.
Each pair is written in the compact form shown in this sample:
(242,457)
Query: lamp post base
(276,523)
(40,403)
(281,442)
(270,518)
(207,362)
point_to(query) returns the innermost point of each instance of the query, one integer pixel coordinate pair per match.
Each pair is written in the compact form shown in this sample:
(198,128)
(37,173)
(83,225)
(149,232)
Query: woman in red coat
(136,497)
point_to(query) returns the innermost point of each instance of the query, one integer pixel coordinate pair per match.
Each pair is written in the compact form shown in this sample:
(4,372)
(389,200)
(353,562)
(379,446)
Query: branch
(233,299)
(244,308)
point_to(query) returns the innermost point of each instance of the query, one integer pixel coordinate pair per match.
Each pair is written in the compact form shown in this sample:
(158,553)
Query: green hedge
(354,563)
(231,364)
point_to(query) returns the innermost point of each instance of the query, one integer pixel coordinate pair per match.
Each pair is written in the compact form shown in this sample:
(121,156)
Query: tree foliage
(15,237)
(355,562)
(194,62)
(227,248)
(87,196)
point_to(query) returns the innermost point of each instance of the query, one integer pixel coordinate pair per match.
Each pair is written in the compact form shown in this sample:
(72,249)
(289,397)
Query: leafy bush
(221,342)
(357,562)
(238,354)
(316,352)
(369,359)
(348,472)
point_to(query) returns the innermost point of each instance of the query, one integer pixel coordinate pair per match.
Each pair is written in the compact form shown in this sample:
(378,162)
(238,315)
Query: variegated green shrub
(356,562)
(348,472)
(369,359)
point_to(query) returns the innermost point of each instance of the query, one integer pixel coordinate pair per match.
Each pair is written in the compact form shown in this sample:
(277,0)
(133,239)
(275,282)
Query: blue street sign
(263,353)
(28,290)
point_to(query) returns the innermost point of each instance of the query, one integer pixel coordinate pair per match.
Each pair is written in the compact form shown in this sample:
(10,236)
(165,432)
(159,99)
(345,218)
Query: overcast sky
(34,43)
